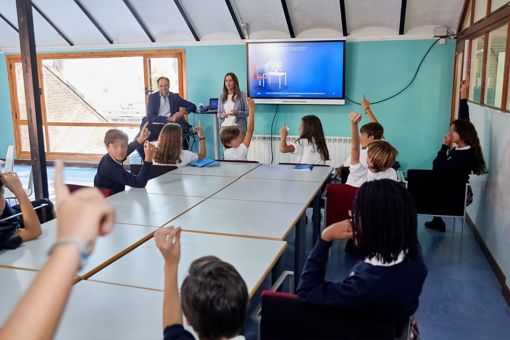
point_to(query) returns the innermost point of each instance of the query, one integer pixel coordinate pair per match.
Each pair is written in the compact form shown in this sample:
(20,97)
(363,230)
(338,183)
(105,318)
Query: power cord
(272,126)
(409,84)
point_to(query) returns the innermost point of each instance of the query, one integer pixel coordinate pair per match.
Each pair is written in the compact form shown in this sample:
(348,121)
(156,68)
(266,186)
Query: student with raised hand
(214,295)
(170,151)
(369,132)
(82,216)
(111,174)
(460,155)
(14,230)
(236,145)
(381,157)
(387,281)
(463,100)
(310,147)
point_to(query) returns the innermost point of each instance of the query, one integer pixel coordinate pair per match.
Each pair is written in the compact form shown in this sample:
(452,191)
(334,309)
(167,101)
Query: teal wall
(414,121)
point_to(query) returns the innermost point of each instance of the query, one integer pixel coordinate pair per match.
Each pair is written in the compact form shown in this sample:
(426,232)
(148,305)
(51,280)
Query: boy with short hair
(16,230)
(236,147)
(214,295)
(111,174)
(368,133)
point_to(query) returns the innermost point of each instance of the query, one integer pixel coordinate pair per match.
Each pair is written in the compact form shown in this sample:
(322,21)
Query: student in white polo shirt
(381,157)
(236,147)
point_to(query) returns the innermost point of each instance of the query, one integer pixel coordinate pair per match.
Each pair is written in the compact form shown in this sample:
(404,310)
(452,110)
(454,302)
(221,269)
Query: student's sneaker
(437,223)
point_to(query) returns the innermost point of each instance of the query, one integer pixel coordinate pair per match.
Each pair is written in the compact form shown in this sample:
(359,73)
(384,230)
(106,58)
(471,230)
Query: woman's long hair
(384,221)
(467,133)
(237,89)
(314,134)
(169,145)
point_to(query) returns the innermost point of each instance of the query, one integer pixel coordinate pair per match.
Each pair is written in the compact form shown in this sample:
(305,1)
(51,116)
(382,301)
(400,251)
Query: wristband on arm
(83,248)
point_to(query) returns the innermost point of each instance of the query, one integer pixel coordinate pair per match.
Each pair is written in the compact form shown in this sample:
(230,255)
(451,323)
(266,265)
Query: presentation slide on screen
(296,70)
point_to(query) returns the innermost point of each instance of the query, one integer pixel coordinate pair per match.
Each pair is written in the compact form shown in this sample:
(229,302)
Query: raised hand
(365,104)
(82,215)
(284,132)
(12,182)
(168,241)
(355,117)
(144,134)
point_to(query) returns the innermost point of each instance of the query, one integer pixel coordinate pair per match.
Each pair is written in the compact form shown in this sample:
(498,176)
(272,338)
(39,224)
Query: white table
(186,185)
(143,267)
(96,311)
(287,172)
(267,190)
(137,206)
(33,255)
(242,218)
(222,169)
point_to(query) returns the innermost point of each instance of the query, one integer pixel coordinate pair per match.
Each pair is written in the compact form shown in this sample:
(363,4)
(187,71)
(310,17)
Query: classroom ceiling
(114,22)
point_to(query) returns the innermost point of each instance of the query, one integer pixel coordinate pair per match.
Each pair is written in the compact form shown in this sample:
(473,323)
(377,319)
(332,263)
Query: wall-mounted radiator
(260,150)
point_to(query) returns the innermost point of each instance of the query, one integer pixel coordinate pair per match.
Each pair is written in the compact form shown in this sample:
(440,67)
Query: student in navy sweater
(387,281)
(111,174)
(213,298)
(461,153)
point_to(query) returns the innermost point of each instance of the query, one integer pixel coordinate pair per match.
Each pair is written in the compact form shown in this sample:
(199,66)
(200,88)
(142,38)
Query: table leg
(215,137)
(299,248)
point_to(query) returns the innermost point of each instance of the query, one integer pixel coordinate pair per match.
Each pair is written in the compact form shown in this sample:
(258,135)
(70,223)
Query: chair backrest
(283,316)
(74,187)
(155,171)
(339,201)
(437,193)
(9,159)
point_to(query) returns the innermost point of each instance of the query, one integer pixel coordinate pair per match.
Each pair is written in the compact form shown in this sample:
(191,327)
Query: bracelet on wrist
(201,138)
(83,248)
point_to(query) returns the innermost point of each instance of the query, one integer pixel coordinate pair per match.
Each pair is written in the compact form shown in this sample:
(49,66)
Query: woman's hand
(223,115)
(233,113)
(338,231)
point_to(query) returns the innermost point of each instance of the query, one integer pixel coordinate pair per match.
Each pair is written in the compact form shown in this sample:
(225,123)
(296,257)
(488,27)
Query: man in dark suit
(166,107)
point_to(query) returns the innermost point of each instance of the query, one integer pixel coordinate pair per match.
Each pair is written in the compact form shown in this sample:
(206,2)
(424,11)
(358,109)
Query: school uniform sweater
(374,291)
(111,174)
(459,161)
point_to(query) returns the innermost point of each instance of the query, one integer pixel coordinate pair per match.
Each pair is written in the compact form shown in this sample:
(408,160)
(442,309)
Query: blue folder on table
(304,167)
(204,162)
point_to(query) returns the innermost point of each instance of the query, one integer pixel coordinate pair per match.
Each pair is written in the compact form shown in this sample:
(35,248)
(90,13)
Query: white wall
(490,210)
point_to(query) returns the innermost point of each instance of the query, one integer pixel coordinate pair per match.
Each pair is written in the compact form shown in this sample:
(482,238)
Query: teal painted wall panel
(6,130)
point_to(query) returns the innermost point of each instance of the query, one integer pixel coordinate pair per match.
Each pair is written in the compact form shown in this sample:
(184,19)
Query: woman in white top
(232,105)
(310,147)
(170,150)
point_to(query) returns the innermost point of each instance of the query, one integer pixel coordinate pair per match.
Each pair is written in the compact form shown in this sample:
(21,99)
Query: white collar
(116,161)
(467,147)
(378,261)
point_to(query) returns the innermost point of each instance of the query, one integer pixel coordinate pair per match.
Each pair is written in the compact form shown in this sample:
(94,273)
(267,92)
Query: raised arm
(168,240)
(355,118)
(284,148)
(365,104)
(82,216)
(251,123)
(202,151)
(463,100)
(32,226)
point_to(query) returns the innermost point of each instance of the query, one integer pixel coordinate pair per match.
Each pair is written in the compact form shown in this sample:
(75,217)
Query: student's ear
(371,138)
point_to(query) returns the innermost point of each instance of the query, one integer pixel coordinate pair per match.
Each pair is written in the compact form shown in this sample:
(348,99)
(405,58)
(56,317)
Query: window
(480,10)
(466,22)
(475,86)
(85,94)
(495,4)
(99,90)
(495,67)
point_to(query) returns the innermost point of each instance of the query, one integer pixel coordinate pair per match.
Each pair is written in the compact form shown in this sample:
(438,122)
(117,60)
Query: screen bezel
(300,100)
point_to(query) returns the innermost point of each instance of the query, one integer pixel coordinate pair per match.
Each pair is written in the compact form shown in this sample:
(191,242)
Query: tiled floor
(461,298)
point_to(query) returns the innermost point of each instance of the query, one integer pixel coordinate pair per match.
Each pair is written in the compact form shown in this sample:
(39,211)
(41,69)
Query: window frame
(12,59)
(493,21)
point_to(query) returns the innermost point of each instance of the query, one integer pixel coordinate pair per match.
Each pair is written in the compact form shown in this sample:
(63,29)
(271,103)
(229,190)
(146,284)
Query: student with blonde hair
(381,157)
